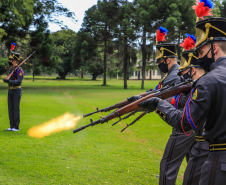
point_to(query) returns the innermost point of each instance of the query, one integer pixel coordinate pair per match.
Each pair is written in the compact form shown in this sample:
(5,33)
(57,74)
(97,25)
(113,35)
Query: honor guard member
(178,144)
(15,91)
(190,69)
(206,103)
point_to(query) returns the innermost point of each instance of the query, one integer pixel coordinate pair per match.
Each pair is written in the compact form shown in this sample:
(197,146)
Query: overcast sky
(78,7)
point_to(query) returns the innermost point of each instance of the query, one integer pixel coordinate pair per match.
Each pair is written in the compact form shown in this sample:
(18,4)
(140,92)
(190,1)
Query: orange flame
(64,122)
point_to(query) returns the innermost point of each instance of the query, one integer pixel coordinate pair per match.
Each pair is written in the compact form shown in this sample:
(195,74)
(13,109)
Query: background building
(152,72)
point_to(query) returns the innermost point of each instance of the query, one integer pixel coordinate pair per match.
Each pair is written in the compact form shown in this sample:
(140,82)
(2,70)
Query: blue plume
(14,43)
(191,36)
(208,3)
(163,30)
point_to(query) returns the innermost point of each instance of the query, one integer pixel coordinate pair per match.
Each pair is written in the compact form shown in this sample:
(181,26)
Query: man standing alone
(15,91)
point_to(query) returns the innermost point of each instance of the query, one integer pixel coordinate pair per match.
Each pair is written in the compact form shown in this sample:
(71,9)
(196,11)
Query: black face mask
(188,74)
(205,62)
(163,67)
(10,63)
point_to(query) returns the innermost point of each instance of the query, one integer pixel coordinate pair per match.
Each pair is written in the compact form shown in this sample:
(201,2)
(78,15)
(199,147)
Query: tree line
(112,35)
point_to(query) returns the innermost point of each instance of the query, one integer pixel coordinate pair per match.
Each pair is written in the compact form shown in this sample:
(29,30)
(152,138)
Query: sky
(78,7)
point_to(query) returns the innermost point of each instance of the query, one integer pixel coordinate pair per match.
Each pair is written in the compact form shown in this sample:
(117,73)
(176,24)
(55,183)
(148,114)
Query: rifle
(173,90)
(127,116)
(134,121)
(8,77)
(122,103)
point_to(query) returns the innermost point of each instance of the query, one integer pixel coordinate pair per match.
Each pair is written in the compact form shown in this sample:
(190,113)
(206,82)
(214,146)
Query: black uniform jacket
(172,76)
(208,103)
(16,78)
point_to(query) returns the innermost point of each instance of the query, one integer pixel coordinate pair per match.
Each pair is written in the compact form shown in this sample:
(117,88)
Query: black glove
(6,80)
(150,90)
(150,104)
(134,98)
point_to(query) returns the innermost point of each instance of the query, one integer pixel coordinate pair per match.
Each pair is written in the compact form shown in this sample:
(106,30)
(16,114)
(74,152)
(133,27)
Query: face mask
(205,62)
(10,63)
(188,74)
(163,67)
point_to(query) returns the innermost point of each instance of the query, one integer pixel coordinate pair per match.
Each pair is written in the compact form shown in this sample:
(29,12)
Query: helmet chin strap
(212,52)
(165,62)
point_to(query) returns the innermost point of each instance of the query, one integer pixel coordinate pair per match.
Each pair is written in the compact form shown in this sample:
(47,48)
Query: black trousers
(199,154)
(214,169)
(176,149)
(14,97)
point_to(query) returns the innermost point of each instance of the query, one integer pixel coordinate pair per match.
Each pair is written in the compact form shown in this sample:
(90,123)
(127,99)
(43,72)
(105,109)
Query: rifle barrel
(89,114)
(85,126)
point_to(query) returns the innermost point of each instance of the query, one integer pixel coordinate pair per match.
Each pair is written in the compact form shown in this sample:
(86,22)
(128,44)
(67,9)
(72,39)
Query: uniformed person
(178,144)
(190,69)
(15,92)
(207,102)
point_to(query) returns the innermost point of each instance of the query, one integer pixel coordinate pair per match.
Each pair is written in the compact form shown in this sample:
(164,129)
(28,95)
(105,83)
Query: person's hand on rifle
(150,104)
(134,98)
(6,80)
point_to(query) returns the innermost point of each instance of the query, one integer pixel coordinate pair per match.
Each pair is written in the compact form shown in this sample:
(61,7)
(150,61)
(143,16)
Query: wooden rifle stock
(177,89)
(8,77)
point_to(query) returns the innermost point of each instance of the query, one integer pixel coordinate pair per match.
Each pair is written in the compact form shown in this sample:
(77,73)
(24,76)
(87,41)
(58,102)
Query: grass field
(96,155)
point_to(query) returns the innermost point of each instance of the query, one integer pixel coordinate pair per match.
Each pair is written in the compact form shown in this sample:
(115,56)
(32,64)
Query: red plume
(161,34)
(13,46)
(189,42)
(203,8)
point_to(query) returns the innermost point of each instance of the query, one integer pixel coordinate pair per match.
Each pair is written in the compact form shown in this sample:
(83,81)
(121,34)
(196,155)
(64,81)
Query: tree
(43,45)
(64,42)
(146,13)
(18,16)
(3,63)
(46,11)
(86,54)
(126,33)
(176,15)
(179,18)
(100,21)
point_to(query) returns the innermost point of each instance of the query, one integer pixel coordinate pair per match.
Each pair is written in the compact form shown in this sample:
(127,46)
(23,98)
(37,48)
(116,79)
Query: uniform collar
(219,61)
(174,67)
(195,81)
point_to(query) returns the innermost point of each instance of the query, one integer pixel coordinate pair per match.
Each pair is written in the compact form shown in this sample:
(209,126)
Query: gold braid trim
(199,138)
(213,145)
(12,56)
(162,49)
(208,26)
(164,78)
(189,60)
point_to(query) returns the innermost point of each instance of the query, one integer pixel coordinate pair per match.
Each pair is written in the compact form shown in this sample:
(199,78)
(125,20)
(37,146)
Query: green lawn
(96,155)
